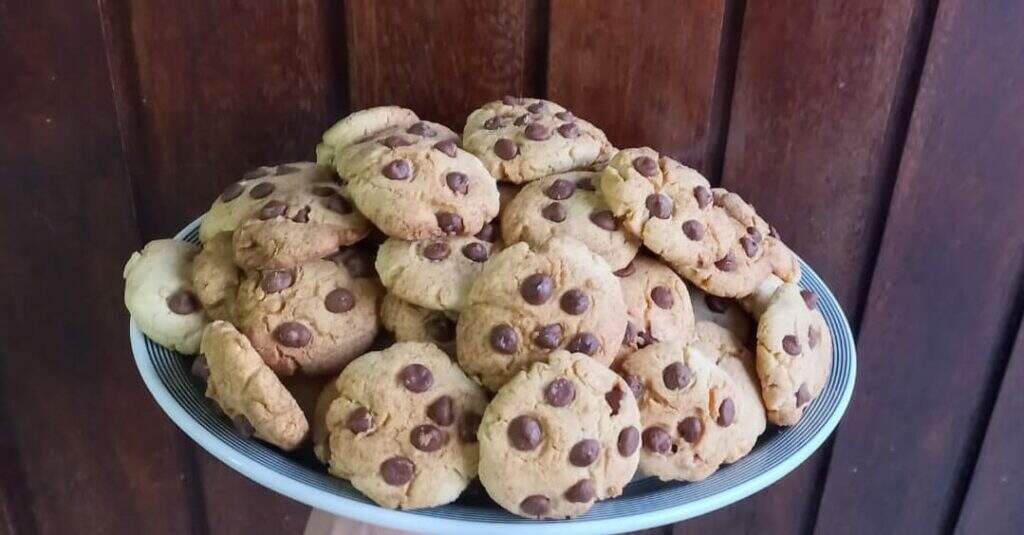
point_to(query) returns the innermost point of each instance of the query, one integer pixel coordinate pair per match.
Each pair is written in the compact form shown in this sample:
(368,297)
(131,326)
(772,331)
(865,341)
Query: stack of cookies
(558,315)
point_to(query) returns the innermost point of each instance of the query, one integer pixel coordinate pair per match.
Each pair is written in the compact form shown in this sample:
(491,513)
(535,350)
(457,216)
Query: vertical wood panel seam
(725,85)
(536,48)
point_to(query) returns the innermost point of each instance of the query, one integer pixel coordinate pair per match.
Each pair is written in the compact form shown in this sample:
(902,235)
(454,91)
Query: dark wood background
(885,139)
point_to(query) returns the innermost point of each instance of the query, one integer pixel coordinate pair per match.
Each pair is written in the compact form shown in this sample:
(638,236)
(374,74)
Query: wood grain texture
(95,453)
(208,90)
(644,72)
(443,58)
(993,503)
(946,291)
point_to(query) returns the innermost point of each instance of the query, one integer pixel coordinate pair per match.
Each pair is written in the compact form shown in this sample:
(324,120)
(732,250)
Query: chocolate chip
(493,123)
(340,300)
(574,302)
(261,190)
(509,100)
(448,147)
(569,131)
(662,297)
(428,437)
(200,368)
(475,251)
(584,452)
(440,329)
(537,288)
(656,440)
(397,471)
(275,280)
(560,189)
(232,192)
(255,173)
(659,205)
(524,433)
(810,299)
(450,223)
(555,212)
(416,378)
(442,411)
(323,191)
(727,262)
(457,182)
(703,196)
(791,345)
(421,129)
(559,392)
(521,120)
(802,395)
(693,229)
(243,425)
(273,209)
(716,304)
(535,505)
(677,376)
(395,141)
(614,399)
(537,132)
(755,234)
(292,334)
(585,343)
(359,420)
(629,440)
(548,336)
(604,219)
(645,165)
(436,251)
(691,429)
(626,271)
(302,216)
(749,246)
(397,170)
(285,170)
(726,412)
(813,337)
(585,184)
(504,338)
(182,302)
(536,107)
(506,149)
(488,233)
(565,116)
(636,385)
(581,492)
(468,426)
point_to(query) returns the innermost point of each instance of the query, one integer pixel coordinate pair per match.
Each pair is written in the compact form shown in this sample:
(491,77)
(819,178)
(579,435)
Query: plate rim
(408,521)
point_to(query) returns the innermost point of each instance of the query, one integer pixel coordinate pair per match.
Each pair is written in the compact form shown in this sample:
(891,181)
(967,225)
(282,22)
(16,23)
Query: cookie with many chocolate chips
(566,205)
(723,311)
(215,277)
(314,318)
(528,302)
(794,353)
(688,407)
(435,273)
(559,437)
(708,235)
(158,293)
(657,305)
(523,139)
(403,428)
(247,390)
(409,176)
(411,323)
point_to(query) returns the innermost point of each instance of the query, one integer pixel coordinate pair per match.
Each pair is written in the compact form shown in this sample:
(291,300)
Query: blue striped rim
(772,457)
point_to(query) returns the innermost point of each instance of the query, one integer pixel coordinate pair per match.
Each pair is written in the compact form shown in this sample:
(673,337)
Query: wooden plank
(94,453)
(946,292)
(443,58)
(644,72)
(993,503)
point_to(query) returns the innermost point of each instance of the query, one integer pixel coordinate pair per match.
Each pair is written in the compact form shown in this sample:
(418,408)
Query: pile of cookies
(523,302)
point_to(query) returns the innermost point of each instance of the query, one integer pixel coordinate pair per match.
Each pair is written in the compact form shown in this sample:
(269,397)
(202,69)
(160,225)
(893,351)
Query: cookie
(529,301)
(403,428)
(733,357)
(314,318)
(708,235)
(247,390)
(523,139)
(435,273)
(320,432)
(410,177)
(411,323)
(159,295)
(557,206)
(758,300)
(723,311)
(688,407)
(559,437)
(794,353)
(215,277)
(360,126)
(657,305)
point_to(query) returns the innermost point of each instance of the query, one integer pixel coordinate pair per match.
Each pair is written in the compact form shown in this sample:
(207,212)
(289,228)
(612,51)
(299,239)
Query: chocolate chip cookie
(411,323)
(523,139)
(657,305)
(559,437)
(215,277)
(247,390)
(403,428)
(159,295)
(528,302)
(567,205)
(314,318)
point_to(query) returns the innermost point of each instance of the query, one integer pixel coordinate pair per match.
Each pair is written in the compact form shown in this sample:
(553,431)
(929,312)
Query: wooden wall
(884,138)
